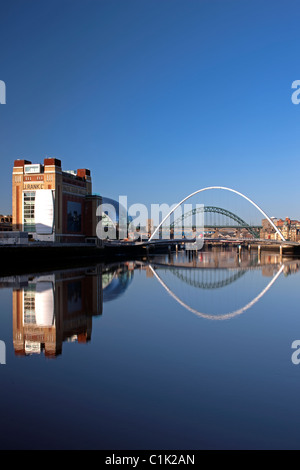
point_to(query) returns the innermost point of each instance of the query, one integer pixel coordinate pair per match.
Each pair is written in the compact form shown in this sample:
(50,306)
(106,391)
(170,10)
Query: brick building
(52,204)
(289,228)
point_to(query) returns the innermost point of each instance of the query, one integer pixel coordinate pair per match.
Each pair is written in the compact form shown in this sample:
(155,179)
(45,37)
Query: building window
(29,305)
(28,211)
(74,216)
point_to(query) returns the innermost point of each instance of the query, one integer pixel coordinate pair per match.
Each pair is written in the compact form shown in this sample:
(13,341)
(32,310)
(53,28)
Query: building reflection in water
(116,279)
(50,309)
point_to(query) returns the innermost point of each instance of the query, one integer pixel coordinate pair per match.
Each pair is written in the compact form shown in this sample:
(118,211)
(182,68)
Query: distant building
(289,228)
(5,223)
(52,204)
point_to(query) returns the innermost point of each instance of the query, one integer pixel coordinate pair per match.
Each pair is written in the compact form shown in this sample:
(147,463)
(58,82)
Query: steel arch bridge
(218,210)
(221,188)
(201,279)
(225,316)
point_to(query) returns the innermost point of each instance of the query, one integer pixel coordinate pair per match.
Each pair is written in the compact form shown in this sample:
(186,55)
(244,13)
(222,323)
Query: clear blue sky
(157,97)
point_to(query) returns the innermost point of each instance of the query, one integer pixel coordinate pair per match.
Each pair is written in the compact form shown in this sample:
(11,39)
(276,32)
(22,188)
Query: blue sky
(157,97)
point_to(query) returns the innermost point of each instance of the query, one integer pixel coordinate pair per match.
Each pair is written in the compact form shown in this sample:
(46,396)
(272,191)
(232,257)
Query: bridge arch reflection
(225,316)
(221,280)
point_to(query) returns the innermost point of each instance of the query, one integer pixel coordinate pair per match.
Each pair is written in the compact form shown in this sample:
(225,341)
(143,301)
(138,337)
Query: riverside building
(52,204)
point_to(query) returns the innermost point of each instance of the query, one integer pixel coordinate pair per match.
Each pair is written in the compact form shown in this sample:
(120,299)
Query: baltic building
(51,204)
(51,309)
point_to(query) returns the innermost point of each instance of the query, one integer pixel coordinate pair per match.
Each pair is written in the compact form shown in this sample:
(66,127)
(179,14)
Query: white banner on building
(44,211)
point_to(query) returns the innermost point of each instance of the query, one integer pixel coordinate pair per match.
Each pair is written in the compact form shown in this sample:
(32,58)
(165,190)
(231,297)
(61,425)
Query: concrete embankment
(25,258)
(288,248)
(17,259)
(33,257)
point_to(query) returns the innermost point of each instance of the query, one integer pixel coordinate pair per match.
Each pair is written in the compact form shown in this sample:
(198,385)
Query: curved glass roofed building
(115,219)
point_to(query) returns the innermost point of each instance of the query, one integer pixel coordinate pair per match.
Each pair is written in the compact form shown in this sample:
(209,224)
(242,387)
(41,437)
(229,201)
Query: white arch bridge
(209,188)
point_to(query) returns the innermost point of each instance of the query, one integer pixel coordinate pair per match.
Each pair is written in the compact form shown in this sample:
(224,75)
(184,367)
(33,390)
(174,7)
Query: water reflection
(116,279)
(50,309)
(214,285)
(215,270)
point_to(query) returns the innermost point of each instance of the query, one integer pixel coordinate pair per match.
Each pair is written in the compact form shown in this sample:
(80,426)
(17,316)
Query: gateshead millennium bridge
(229,214)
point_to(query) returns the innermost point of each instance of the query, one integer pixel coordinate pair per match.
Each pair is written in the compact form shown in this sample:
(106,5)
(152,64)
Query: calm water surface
(175,352)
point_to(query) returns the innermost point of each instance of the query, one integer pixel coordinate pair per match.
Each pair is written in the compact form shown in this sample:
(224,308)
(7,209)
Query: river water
(181,351)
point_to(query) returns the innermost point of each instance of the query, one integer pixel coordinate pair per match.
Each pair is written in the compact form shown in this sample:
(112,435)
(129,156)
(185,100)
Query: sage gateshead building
(54,205)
